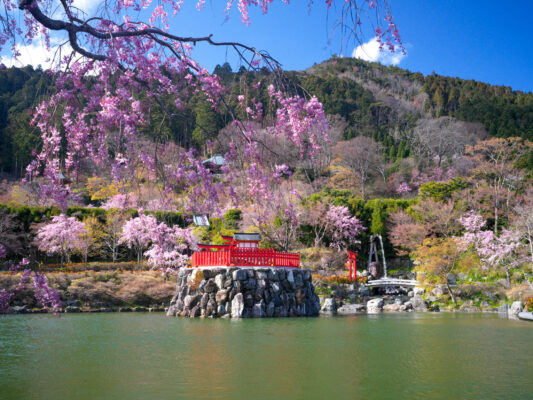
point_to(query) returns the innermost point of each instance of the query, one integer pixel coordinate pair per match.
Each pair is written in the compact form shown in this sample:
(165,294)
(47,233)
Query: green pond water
(151,356)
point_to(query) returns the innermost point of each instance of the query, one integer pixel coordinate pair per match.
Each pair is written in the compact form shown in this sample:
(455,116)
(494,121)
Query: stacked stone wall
(244,293)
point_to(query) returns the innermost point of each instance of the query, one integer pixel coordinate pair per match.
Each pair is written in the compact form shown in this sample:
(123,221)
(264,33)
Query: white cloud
(370,51)
(33,54)
(86,5)
(36,54)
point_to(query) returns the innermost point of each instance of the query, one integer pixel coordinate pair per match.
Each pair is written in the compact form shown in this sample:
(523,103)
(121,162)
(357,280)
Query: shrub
(529,303)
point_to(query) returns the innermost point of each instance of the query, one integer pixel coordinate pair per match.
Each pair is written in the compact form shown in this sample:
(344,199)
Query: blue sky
(489,41)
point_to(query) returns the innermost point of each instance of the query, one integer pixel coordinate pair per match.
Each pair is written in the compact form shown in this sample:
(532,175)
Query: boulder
(237,285)
(281,312)
(258,310)
(195,278)
(329,306)
(300,295)
(261,275)
(210,286)
(219,280)
(418,304)
(290,279)
(375,270)
(211,308)
(262,283)
(395,307)
(350,309)
(516,308)
(258,295)
(281,274)
(306,275)
(419,291)
(286,285)
(249,299)
(221,296)
(251,283)
(195,312)
(374,306)
(237,306)
(228,282)
(221,310)
(452,279)
(298,280)
(438,291)
(364,290)
(277,300)
(190,301)
(270,309)
(240,275)
(204,300)
(273,275)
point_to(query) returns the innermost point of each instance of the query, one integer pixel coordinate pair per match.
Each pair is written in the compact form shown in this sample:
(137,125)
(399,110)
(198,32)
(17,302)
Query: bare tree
(443,138)
(363,156)
(12,237)
(523,219)
(496,164)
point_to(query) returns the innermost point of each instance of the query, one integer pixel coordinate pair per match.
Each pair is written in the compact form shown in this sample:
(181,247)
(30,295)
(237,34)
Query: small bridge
(385,282)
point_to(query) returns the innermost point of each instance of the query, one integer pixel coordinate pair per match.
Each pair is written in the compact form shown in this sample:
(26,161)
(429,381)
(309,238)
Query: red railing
(245,258)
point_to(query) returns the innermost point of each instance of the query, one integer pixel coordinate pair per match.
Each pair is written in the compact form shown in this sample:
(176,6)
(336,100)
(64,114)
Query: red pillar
(352,265)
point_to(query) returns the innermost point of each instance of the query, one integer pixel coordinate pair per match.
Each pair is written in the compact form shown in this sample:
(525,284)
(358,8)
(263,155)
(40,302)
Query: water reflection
(150,356)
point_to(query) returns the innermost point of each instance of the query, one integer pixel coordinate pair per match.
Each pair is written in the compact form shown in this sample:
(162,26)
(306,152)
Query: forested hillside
(393,106)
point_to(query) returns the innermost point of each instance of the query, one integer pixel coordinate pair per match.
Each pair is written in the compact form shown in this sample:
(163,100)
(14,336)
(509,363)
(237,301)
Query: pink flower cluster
(403,188)
(342,227)
(492,249)
(169,244)
(126,201)
(61,235)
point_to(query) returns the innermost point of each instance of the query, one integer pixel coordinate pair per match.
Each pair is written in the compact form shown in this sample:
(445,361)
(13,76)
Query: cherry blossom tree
(61,236)
(333,222)
(496,162)
(137,233)
(169,248)
(403,188)
(494,251)
(126,201)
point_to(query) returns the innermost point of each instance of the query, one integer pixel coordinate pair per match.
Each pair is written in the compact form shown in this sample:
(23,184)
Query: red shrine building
(242,250)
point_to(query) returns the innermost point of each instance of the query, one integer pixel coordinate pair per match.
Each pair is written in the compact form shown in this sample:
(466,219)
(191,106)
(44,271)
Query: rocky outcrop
(244,293)
(374,306)
(351,309)
(329,306)
(516,308)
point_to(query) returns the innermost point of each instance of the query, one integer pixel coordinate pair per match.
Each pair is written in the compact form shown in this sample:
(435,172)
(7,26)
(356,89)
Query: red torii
(352,264)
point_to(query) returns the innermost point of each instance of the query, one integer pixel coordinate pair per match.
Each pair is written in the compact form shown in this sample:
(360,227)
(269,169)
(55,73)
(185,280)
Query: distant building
(215,163)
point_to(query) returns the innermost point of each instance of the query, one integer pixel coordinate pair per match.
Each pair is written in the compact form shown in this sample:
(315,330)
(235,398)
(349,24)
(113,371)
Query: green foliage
(30,215)
(504,112)
(20,90)
(232,218)
(373,215)
(442,191)
(208,123)
(377,225)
